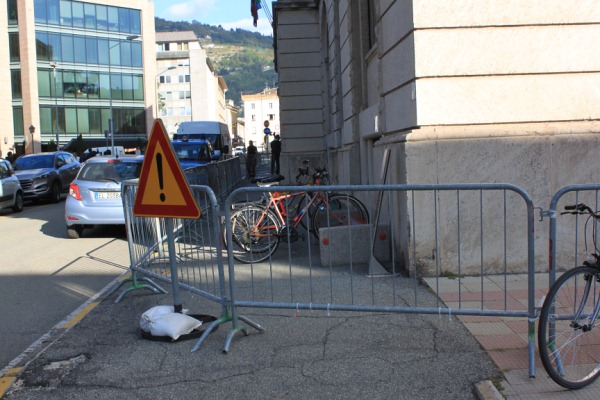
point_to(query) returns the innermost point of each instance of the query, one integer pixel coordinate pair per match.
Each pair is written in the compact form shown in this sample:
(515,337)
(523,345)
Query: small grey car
(95,194)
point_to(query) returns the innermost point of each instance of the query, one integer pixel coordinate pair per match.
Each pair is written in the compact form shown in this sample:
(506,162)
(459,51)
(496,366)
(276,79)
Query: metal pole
(110,122)
(56,105)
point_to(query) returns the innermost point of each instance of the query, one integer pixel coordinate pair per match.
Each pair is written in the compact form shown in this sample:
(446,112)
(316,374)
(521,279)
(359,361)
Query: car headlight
(41,177)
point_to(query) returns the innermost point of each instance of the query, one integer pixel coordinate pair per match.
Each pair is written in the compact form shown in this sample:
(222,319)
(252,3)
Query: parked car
(11,193)
(95,194)
(46,175)
(239,150)
(193,153)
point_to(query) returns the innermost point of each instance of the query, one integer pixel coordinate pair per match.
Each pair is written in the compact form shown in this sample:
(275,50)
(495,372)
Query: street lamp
(32,131)
(157,75)
(54,65)
(111,122)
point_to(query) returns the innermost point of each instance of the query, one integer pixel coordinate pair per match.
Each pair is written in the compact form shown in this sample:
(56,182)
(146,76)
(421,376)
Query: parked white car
(11,193)
(238,151)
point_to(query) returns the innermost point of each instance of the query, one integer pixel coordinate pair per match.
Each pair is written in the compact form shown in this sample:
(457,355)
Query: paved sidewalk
(505,339)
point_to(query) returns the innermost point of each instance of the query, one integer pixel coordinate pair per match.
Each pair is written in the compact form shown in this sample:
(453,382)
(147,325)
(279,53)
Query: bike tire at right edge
(569,353)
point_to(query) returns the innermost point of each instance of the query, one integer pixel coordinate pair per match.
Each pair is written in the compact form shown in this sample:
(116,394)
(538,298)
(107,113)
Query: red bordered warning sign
(163,190)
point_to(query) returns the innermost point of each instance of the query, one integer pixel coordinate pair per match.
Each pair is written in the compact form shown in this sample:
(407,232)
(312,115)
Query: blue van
(215,132)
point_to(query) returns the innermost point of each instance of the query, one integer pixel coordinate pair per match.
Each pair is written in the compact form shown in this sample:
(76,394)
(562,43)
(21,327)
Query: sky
(230,14)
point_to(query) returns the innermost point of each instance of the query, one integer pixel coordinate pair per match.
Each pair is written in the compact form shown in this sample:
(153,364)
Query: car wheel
(74,232)
(55,194)
(18,206)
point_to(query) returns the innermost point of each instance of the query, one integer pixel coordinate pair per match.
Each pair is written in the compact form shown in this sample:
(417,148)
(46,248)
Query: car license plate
(107,195)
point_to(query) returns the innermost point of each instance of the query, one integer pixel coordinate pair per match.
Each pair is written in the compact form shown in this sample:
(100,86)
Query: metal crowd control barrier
(190,259)
(222,177)
(565,245)
(463,239)
(476,234)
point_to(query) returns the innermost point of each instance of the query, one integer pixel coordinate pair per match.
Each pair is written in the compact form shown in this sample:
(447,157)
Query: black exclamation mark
(160,175)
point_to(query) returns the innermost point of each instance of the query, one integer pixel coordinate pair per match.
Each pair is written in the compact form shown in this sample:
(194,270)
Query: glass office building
(75,67)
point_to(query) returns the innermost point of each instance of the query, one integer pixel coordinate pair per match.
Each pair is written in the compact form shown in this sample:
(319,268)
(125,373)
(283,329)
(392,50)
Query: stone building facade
(459,91)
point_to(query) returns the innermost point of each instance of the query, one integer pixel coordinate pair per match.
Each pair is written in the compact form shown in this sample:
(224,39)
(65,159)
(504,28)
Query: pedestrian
(251,160)
(9,157)
(275,153)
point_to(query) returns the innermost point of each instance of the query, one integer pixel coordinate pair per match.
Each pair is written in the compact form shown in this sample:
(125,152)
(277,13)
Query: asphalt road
(44,276)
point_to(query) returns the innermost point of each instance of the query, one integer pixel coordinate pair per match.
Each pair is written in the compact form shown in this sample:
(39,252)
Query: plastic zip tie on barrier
(449,314)
(297,311)
(328,313)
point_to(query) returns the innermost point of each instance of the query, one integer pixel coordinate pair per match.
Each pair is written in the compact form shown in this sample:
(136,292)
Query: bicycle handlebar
(579,208)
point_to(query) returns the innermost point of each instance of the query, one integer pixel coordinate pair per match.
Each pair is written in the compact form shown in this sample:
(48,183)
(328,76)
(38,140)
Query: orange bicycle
(258,228)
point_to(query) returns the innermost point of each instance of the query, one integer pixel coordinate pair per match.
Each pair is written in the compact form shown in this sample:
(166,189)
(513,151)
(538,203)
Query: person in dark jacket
(275,153)
(251,160)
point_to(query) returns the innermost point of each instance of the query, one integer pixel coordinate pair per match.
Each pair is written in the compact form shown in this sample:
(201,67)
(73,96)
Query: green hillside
(244,59)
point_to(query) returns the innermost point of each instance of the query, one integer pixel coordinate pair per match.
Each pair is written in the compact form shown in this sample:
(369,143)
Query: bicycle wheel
(567,343)
(255,234)
(338,210)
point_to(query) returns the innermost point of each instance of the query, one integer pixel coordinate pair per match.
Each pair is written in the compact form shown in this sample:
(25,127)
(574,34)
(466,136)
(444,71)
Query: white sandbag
(150,315)
(173,325)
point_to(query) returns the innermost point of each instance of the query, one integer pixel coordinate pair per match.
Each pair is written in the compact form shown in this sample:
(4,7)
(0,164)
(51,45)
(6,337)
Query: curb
(485,390)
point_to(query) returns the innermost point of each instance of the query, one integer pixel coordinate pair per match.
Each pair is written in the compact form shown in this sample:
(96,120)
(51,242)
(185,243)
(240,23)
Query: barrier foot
(213,325)
(251,323)
(230,336)
(151,285)
(376,269)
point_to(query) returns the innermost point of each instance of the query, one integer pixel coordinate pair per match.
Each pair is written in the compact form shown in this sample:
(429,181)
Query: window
(12,12)
(252,106)
(165,79)
(253,117)
(15,81)
(41,46)
(182,46)
(371,21)
(43,83)
(78,16)
(54,47)
(113,19)
(79,44)
(13,44)
(181,78)
(89,11)
(67,48)
(39,10)
(270,105)
(124,20)
(102,51)
(136,22)
(187,78)
(138,87)
(271,117)
(136,54)
(101,17)
(66,15)
(181,110)
(91,50)
(53,12)
(169,96)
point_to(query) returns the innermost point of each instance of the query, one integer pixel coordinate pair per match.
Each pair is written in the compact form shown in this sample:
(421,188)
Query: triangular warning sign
(163,190)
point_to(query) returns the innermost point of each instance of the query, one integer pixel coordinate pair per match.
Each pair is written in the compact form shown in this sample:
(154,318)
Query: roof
(182,36)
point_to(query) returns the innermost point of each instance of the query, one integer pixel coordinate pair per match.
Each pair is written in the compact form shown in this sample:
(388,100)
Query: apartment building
(74,67)
(188,87)
(261,110)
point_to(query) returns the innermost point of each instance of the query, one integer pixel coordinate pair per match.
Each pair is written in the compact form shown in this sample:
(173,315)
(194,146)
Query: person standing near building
(275,153)
(251,160)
